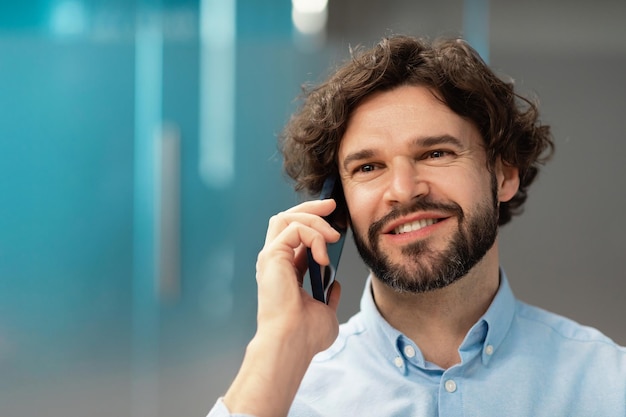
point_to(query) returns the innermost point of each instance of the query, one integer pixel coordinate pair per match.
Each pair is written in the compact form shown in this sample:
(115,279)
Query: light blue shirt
(517,360)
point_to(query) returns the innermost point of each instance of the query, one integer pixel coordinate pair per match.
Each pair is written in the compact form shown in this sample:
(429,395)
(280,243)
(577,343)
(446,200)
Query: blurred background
(138,168)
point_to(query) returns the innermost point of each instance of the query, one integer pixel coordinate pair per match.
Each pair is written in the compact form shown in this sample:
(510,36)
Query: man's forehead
(410,113)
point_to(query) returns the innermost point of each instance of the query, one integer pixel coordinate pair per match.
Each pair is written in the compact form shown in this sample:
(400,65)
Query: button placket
(450,393)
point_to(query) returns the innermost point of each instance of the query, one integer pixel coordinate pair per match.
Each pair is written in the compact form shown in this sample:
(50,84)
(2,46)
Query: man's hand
(292,326)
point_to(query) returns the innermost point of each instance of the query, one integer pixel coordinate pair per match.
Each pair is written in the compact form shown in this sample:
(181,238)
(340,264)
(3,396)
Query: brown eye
(438,154)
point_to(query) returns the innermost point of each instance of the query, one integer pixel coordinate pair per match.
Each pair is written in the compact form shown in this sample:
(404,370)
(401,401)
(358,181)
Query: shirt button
(398,362)
(450,385)
(409,351)
(489,350)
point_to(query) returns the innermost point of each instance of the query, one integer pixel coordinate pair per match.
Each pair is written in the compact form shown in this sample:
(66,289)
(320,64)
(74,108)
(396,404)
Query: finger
(334,294)
(293,237)
(301,261)
(317,207)
(282,220)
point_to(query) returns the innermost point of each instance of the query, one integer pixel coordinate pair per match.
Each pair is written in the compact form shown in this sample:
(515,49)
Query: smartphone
(322,277)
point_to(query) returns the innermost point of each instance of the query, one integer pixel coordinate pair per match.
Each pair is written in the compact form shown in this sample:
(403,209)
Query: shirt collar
(386,338)
(490,330)
(498,317)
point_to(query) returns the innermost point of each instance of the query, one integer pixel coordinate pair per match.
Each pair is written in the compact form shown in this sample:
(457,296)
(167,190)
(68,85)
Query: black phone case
(322,277)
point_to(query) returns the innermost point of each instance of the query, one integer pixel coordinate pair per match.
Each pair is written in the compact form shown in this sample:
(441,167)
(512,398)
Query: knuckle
(278,220)
(262,255)
(273,219)
(261,260)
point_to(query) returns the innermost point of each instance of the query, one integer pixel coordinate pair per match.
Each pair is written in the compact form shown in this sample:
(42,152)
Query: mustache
(422,204)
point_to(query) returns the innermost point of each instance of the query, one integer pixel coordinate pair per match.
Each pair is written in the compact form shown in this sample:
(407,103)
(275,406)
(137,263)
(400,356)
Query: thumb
(334,294)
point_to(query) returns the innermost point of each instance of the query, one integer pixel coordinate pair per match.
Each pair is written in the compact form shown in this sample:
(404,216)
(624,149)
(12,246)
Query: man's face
(423,205)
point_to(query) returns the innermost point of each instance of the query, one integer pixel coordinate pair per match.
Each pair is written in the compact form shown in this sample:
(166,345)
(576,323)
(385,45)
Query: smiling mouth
(413,226)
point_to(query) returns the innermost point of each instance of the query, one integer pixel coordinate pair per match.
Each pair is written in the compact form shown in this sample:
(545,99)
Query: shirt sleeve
(220,410)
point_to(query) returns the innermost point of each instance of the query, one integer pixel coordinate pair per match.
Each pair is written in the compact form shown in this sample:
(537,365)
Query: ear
(508,180)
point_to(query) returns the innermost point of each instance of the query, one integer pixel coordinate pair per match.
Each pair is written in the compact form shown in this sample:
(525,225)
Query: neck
(438,321)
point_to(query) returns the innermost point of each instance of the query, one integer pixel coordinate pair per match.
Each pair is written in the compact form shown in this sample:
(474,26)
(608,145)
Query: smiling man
(428,212)
(434,154)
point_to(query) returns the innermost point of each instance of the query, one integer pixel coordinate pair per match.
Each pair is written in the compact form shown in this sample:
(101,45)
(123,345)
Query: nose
(405,183)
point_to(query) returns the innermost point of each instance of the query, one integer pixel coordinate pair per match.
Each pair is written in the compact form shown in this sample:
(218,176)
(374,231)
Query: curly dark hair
(456,74)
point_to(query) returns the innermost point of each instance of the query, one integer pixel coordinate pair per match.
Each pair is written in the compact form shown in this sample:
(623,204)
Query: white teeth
(416,225)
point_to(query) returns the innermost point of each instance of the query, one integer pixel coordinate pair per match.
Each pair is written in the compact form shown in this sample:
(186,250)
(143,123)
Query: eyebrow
(430,141)
(357,156)
(422,142)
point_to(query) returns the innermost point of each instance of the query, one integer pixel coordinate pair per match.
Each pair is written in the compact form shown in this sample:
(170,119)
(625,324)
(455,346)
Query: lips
(413,226)
(410,223)
(407,222)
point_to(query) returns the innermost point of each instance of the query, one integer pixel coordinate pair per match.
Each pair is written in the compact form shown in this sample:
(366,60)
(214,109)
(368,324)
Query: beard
(424,269)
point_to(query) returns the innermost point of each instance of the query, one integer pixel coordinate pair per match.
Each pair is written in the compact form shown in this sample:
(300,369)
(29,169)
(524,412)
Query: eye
(365,170)
(438,154)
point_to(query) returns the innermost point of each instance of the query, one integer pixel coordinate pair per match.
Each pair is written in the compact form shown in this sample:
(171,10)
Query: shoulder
(336,366)
(350,333)
(555,328)
(548,348)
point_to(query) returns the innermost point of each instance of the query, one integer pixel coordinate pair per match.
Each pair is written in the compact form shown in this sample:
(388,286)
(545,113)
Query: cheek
(362,205)
(466,187)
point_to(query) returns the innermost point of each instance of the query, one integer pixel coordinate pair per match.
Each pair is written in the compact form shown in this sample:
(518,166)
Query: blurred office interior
(138,168)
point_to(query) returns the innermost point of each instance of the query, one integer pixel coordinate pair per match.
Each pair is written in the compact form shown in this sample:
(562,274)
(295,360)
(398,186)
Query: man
(434,153)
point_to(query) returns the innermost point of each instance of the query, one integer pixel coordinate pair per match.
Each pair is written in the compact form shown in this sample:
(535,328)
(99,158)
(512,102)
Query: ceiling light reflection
(309,17)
